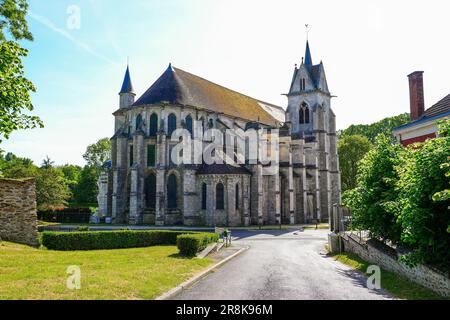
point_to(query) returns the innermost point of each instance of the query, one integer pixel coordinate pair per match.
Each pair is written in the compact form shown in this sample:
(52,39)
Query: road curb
(188,283)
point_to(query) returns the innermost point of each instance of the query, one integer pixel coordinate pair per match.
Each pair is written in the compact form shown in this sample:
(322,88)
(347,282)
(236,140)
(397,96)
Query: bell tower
(308,90)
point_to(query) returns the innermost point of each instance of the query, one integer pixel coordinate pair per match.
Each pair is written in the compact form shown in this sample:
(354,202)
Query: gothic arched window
(303,114)
(138,122)
(204,195)
(188,122)
(153,124)
(220,203)
(171,124)
(150,191)
(172,192)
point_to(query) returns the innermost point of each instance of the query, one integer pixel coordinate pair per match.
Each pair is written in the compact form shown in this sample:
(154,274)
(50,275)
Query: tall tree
(12,18)
(98,153)
(15,89)
(371,131)
(374,197)
(351,150)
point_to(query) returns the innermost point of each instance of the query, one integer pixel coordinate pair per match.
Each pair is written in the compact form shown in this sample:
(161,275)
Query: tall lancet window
(303,114)
(172,192)
(171,124)
(188,122)
(153,124)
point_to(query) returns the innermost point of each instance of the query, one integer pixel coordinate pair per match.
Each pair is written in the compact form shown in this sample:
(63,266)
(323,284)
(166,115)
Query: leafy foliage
(190,244)
(51,187)
(98,153)
(351,150)
(402,195)
(94,240)
(14,91)
(374,196)
(422,206)
(12,18)
(371,131)
(86,189)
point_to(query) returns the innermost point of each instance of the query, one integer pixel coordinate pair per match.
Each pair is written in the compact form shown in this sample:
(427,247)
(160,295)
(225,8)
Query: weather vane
(307,31)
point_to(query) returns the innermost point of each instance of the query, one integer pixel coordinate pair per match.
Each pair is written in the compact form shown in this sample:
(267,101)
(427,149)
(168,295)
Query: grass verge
(138,273)
(398,286)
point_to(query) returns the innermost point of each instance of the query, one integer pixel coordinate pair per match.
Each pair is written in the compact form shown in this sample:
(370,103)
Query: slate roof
(176,86)
(127,86)
(222,169)
(442,106)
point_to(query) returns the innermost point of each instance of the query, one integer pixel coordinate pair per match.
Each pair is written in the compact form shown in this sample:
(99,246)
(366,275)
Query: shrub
(373,198)
(423,213)
(118,239)
(190,244)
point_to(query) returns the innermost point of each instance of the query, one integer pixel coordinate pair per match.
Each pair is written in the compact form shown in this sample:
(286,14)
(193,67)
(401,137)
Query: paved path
(282,265)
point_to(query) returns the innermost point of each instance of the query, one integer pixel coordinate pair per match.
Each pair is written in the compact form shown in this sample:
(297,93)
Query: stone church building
(142,184)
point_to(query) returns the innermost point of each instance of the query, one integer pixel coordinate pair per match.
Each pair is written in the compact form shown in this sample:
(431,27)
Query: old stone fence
(387,259)
(18,218)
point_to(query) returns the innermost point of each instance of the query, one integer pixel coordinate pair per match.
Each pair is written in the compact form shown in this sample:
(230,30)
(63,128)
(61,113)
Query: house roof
(442,106)
(438,110)
(176,86)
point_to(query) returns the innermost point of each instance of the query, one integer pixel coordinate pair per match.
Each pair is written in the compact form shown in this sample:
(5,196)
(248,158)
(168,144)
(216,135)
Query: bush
(424,215)
(119,239)
(190,244)
(372,201)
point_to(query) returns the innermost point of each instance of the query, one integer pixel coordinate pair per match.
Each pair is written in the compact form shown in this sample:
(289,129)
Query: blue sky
(368,48)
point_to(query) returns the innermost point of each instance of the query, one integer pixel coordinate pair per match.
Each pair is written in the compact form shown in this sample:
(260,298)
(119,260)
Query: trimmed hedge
(190,244)
(94,240)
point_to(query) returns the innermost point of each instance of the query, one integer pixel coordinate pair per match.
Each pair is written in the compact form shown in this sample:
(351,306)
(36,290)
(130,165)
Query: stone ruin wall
(18,217)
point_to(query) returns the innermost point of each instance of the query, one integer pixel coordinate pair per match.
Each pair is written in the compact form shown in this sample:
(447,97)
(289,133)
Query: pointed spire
(127,86)
(308,59)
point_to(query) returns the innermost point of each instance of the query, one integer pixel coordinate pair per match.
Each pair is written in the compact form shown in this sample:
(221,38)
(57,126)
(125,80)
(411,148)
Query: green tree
(47,163)
(15,89)
(422,207)
(98,153)
(87,189)
(371,131)
(351,150)
(12,18)
(374,197)
(71,176)
(51,187)
(14,167)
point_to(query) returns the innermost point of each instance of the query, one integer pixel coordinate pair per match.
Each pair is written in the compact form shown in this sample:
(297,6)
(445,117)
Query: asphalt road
(284,265)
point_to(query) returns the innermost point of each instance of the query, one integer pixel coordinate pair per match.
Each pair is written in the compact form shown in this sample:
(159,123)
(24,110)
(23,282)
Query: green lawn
(140,273)
(398,286)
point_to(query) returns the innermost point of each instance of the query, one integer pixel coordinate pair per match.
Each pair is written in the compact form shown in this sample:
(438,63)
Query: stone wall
(18,217)
(431,279)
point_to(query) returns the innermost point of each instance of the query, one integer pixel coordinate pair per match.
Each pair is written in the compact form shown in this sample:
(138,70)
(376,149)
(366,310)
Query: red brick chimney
(416,96)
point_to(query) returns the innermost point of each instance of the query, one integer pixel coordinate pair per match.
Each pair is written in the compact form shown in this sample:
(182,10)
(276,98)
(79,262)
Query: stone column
(322,150)
(246,199)
(102,197)
(230,186)
(191,207)
(210,203)
(257,194)
(291,191)
(160,207)
(277,197)
(119,180)
(335,176)
(137,180)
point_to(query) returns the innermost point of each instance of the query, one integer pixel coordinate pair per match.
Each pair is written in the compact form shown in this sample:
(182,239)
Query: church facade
(144,185)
